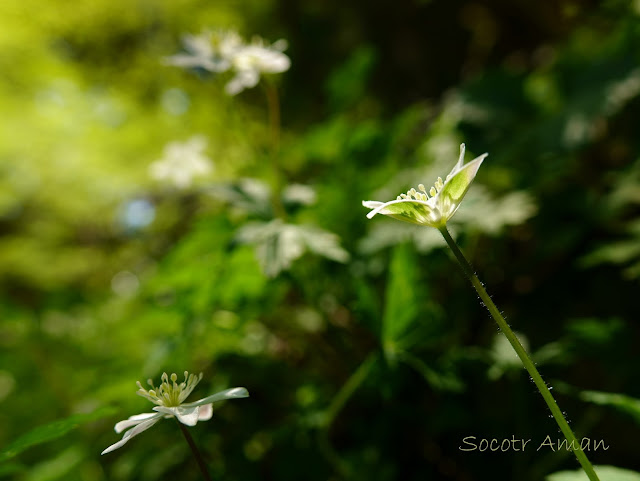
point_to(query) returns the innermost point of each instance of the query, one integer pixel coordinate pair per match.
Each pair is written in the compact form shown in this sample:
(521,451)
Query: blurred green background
(367,355)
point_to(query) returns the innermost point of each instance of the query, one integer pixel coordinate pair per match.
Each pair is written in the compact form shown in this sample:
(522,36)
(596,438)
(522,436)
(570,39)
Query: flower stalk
(522,354)
(196,452)
(273,108)
(434,208)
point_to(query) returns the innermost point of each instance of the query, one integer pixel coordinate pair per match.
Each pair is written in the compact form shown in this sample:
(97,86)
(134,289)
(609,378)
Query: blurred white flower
(169,398)
(182,161)
(211,50)
(299,194)
(221,51)
(257,58)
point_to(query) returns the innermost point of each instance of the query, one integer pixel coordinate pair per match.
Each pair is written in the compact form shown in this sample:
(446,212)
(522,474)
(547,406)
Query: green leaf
(441,377)
(605,473)
(58,467)
(401,297)
(348,83)
(8,469)
(52,431)
(620,402)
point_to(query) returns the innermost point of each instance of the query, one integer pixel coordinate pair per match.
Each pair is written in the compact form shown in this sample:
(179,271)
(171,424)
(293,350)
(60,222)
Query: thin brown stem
(196,452)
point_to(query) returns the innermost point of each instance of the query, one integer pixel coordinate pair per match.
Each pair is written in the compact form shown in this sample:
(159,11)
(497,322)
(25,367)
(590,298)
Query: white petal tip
(111,448)
(372,204)
(481,158)
(238,392)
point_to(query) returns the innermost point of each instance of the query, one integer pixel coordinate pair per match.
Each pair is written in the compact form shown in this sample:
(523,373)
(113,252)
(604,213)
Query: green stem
(196,452)
(339,400)
(273,106)
(522,354)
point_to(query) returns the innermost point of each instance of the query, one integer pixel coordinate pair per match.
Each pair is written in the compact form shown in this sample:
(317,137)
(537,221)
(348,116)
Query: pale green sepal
(413,211)
(451,195)
(233,393)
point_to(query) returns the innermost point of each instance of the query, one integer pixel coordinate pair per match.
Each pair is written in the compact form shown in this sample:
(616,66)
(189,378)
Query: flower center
(169,393)
(423,195)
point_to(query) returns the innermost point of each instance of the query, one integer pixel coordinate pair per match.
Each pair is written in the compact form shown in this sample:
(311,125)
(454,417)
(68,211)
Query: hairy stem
(522,354)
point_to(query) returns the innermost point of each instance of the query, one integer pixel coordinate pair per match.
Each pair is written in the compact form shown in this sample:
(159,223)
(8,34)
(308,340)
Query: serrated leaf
(324,243)
(278,244)
(51,431)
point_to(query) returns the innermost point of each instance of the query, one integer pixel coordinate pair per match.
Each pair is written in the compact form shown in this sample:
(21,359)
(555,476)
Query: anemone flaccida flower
(169,399)
(433,207)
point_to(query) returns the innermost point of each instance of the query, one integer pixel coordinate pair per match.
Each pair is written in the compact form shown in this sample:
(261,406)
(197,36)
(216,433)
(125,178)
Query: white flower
(211,51)
(220,51)
(169,399)
(252,60)
(436,206)
(182,161)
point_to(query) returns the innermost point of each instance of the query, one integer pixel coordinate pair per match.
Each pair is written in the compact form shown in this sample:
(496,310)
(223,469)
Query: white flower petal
(132,421)
(234,86)
(182,162)
(280,45)
(233,393)
(143,426)
(460,163)
(206,412)
(372,204)
(188,415)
